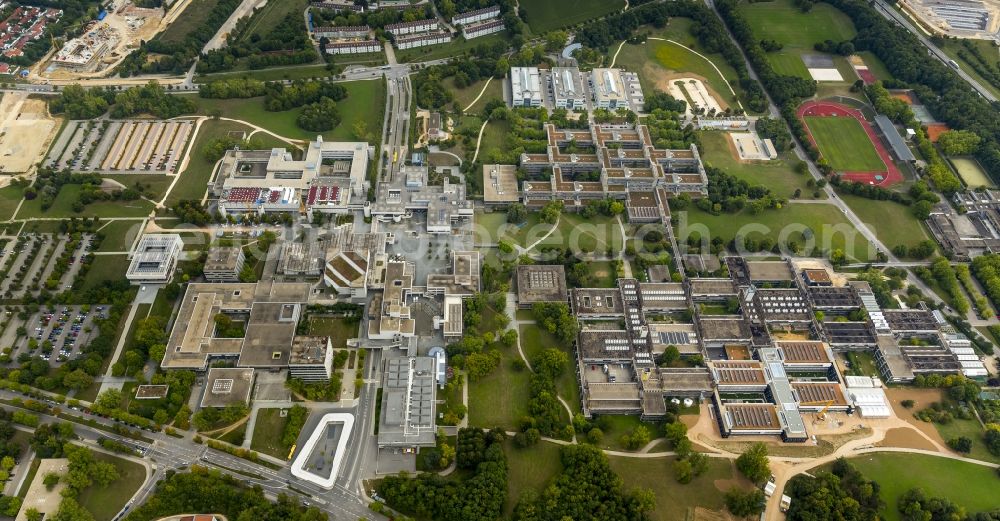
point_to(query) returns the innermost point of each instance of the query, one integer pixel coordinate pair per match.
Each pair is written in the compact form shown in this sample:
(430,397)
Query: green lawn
(194,179)
(614,426)
(529,469)
(267,433)
(892,223)
(154,185)
(829,228)
(543,17)
(105,502)
(495,146)
(338,329)
(971,486)
(456,47)
(844,144)
(463,97)
(594,234)
(365,102)
(10,197)
(970,429)
(104,269)
(500,399)
(673,500)
(189,20)
(789,63)
(657,62)
(119,235)
(62,207)
(778,174)
(604,273)
(781,20)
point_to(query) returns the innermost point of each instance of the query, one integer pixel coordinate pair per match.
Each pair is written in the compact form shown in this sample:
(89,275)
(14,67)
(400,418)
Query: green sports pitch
(844,144)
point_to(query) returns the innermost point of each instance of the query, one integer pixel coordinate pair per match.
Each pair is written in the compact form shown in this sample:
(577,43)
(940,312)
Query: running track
(890,176)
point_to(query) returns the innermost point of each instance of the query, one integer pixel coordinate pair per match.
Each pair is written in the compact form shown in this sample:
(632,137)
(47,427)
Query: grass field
(658,61)
(105,502)
(106,268)
(267,433)
(154,185)
(365,102)
(892,223)
(463,97)
(875,65)
(63,207)
(829,228)
(338,329)
(844,144)
(529,469)
(789,63)
(10,197)
(778,175)
(673,500)
(189,20)
(194,179)
(500,399)
(781,20)
(972,430)
(119,235)
(971,486)
(543,17)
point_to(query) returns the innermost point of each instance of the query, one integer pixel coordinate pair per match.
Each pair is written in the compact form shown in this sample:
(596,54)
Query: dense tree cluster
(601,34)
(151,99)
(478,498)
(321,116)
(915,505)
(986,268)
(233,88)
(79,103)
(729,194)
(843,493)
(587,488)
(284,43)
(776,131)
(301,92)
(161,55)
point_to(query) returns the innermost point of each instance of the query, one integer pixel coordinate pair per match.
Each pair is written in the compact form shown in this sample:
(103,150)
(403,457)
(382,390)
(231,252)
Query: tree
(748,503)
(922,210)
(50,480)
(958,142)
(753,463)
(110,398)
(683,472)
(960,444)
(670,355)
(517,213)
(78,380)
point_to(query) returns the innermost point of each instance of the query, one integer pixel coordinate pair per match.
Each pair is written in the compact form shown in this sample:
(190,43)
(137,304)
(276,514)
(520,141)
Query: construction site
(26,129)
(130,146)
(103,43)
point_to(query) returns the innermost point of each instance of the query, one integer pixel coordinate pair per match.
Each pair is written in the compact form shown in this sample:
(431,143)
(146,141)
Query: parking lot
(30,262)
(57,334)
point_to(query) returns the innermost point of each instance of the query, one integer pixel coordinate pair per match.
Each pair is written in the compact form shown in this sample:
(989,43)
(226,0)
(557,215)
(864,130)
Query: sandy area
(26,130)
(664,80)
(905,438)
(923,398)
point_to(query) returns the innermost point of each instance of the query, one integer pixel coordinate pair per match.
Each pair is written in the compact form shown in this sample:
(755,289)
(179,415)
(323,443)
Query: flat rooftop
(603,345)
(500,184)
(804,352)
(712,287)
(223,258)
(227,386)
(597,301)
(770,271)
(408,410)
(751,416)
(541,283)
(724,328)
(738,372)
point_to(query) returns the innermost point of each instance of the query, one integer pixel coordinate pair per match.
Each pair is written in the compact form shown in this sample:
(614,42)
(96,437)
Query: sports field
(781,20)
(544,16)
(844,143)
(969,485)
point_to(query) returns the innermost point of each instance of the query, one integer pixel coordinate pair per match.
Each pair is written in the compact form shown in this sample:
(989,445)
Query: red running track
(891,175)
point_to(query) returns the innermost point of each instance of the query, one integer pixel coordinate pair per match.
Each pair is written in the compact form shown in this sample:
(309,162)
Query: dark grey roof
(899,148)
